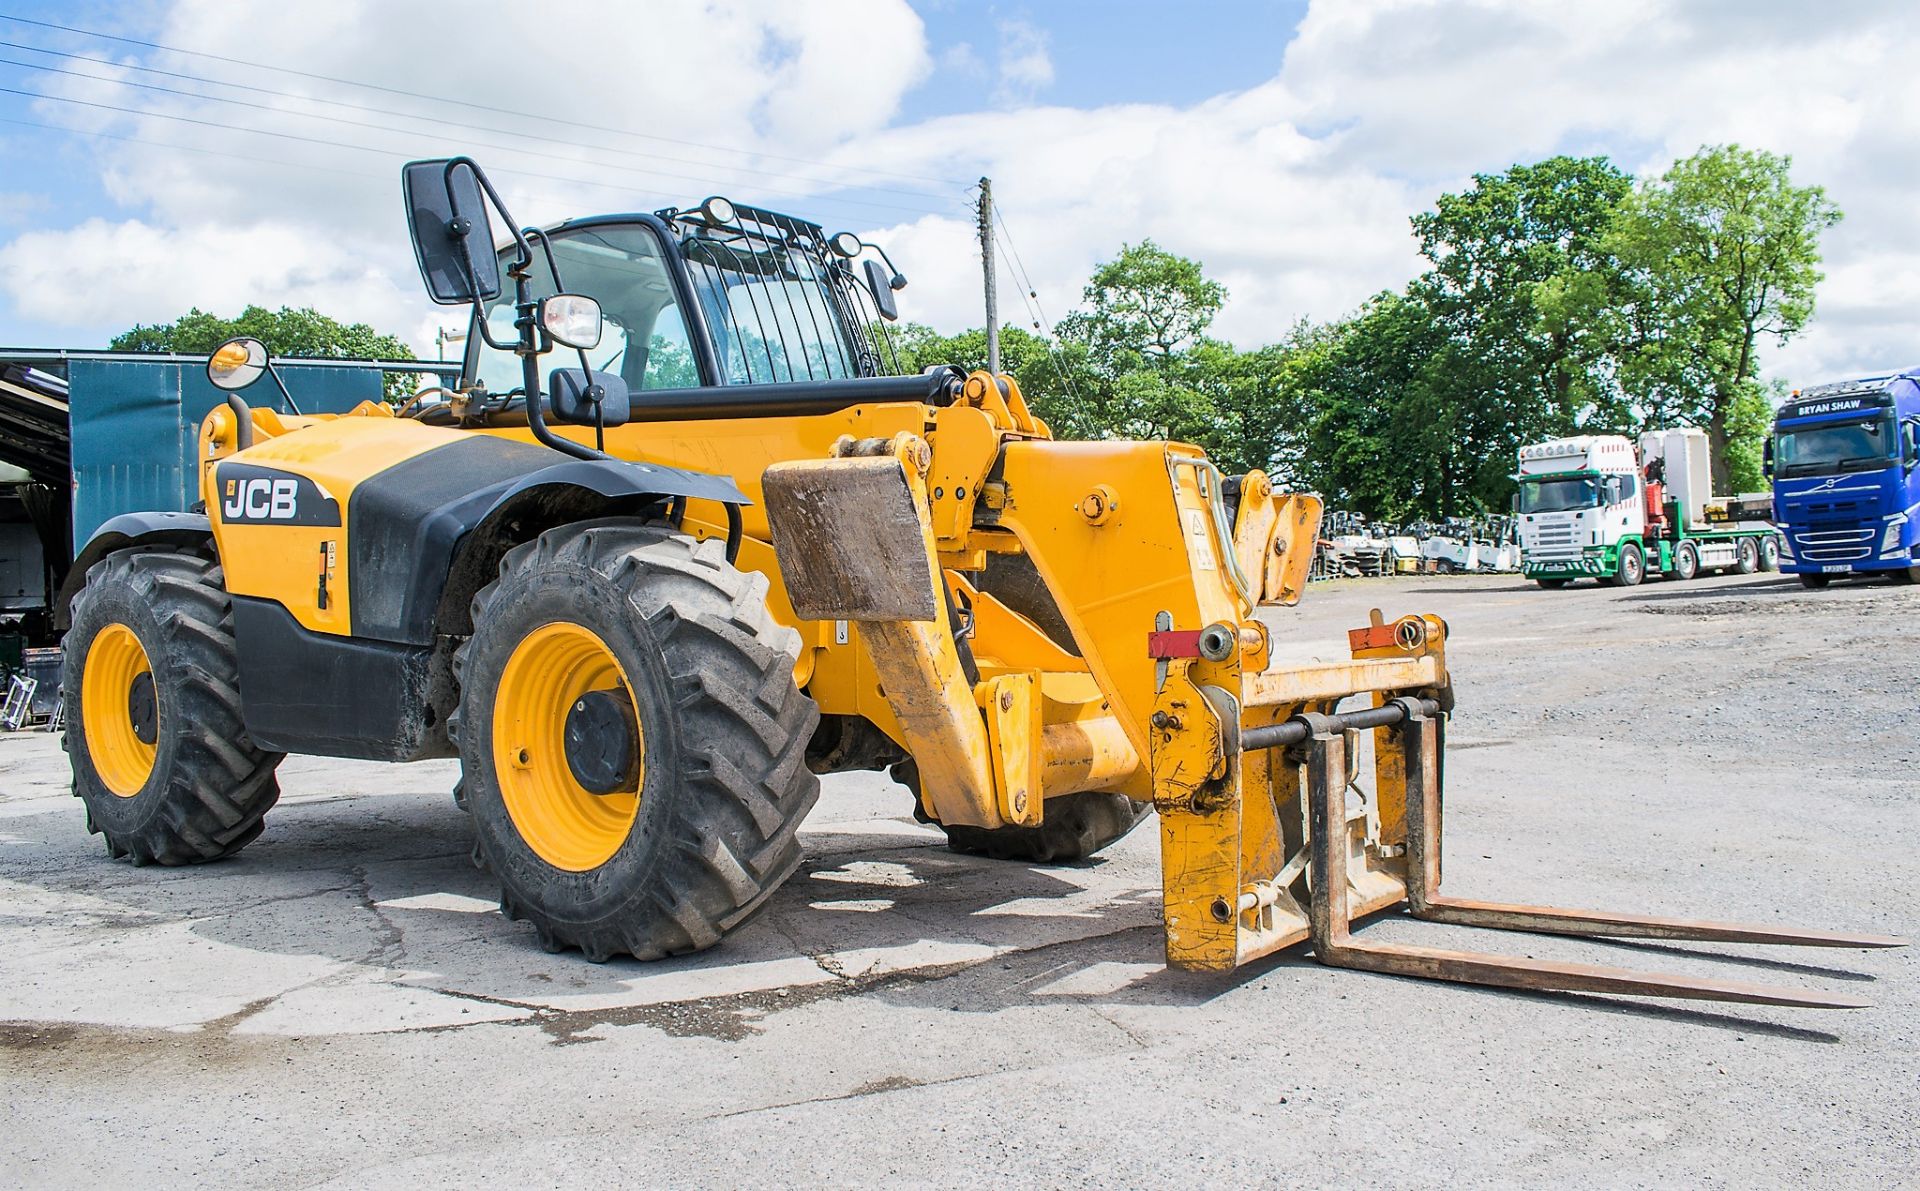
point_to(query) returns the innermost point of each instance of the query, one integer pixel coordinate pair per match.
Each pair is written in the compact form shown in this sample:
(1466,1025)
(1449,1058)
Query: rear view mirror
(572,319)
(236,364)
(576,395)
(452,236)
(881,287)
(1766,458)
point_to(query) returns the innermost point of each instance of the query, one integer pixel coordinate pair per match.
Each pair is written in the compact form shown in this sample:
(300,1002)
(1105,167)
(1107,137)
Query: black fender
(153,530)
(427,533)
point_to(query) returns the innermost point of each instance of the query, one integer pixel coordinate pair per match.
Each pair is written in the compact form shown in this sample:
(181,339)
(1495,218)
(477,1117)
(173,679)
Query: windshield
(644,336)
(779,307)
(1559,496)
(1864,444)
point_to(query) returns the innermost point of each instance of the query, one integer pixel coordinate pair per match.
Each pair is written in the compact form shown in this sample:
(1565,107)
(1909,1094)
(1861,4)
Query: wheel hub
(142,710)
(603,742)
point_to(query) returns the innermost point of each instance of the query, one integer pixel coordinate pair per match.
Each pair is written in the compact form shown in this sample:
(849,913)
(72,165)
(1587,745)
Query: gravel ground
(343,1005)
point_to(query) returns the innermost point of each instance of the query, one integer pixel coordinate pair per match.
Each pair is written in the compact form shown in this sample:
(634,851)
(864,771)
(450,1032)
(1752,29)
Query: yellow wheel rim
(115,662)
(566,825)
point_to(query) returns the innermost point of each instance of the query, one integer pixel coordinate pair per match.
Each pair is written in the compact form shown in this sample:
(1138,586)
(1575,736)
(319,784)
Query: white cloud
(1295,192)
(1026,66)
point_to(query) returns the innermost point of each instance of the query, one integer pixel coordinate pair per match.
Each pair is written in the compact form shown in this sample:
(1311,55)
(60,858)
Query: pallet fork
(1359,861)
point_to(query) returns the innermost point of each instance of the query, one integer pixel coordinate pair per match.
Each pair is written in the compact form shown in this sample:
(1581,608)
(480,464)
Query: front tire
(161,757)
(1553,584)
(1815,582)
(1631,568)
(660,646)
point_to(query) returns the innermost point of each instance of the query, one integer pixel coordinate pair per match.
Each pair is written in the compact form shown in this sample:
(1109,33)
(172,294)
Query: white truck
(1598,507)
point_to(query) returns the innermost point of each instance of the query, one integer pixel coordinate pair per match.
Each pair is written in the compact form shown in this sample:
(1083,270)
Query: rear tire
(1746,556)
(1815,582)
(1686,561)
(1076,826)
(161,757)
(1770,554)
(719,783)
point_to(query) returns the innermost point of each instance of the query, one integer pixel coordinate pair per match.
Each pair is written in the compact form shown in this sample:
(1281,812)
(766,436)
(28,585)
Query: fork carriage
(1267,836)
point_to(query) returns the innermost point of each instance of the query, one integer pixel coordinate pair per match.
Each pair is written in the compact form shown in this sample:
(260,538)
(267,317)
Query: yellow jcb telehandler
(719,550)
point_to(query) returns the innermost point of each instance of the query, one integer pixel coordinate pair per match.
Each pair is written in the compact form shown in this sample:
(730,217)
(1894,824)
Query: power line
(361,107)
(384,128)
(246,157)
(292,136)
(152,45)
(509,171)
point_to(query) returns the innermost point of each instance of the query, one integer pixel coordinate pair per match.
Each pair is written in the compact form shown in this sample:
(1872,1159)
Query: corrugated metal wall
(135,422)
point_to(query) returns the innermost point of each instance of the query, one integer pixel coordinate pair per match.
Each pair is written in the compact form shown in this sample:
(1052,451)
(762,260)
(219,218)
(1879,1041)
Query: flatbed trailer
(1597,507)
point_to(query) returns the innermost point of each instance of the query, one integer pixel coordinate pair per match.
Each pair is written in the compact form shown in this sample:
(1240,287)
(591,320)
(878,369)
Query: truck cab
(1580,500)
(1845,463)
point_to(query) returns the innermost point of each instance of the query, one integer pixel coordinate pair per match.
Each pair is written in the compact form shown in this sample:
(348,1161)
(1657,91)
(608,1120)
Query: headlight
(1890,540)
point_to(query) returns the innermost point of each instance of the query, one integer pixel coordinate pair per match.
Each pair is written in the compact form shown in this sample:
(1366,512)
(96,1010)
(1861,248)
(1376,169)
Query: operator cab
(716,295)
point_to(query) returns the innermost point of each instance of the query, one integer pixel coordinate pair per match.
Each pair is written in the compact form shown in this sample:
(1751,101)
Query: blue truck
(1844,459)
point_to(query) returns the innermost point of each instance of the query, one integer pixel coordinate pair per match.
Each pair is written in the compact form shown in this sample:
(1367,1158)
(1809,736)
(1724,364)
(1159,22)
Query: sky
(215,153)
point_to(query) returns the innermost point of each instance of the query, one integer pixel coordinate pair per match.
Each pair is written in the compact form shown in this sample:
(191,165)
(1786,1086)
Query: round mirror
(572,320)
(237,363)
(846,244)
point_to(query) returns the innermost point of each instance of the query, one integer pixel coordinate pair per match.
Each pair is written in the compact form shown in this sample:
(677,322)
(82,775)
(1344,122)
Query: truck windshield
(1864,444)
(1559,496)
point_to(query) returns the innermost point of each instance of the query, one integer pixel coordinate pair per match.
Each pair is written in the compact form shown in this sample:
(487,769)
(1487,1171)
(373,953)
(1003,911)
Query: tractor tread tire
(216,785)
(1076,826)
(728,787)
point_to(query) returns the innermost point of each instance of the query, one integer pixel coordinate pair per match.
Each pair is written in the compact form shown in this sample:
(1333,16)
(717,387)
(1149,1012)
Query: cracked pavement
(343,1004)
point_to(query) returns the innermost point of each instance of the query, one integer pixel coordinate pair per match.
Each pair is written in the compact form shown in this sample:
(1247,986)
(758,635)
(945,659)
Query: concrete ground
(343,1004)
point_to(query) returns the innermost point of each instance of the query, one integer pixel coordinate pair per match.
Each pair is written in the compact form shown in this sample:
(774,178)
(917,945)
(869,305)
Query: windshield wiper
(1870,460)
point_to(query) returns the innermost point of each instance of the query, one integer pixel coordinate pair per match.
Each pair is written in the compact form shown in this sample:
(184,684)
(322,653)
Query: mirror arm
(286,396)
(529,351)
(243,421)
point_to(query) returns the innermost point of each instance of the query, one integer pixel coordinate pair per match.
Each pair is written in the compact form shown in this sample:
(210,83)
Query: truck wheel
(161,758)
(1553,584)
(1746,557)
(1770,554)
(632,744)
(1908,576)
(1632,567)
(1686,561)
(1815,582)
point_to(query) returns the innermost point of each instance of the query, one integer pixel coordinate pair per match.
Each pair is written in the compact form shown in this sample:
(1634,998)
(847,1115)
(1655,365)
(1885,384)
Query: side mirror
(577,394)
(452,236)
(881,286)
(1766,458)
(236,364)
(572,319)
(1912,446)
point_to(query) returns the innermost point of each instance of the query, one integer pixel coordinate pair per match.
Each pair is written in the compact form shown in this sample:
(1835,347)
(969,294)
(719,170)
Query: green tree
(288,334)
(1147,305)
(1499,251)
(1717,256)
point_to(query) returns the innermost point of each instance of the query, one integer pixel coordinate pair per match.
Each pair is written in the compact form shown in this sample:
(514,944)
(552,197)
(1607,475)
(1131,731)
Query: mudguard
(416,529)
(119,533)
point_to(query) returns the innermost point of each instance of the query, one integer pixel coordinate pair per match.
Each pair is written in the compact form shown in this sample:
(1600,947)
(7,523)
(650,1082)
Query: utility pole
(986,264)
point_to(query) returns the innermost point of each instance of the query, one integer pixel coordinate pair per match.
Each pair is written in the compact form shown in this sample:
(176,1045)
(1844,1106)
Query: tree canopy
(287,332)
(1558,298)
